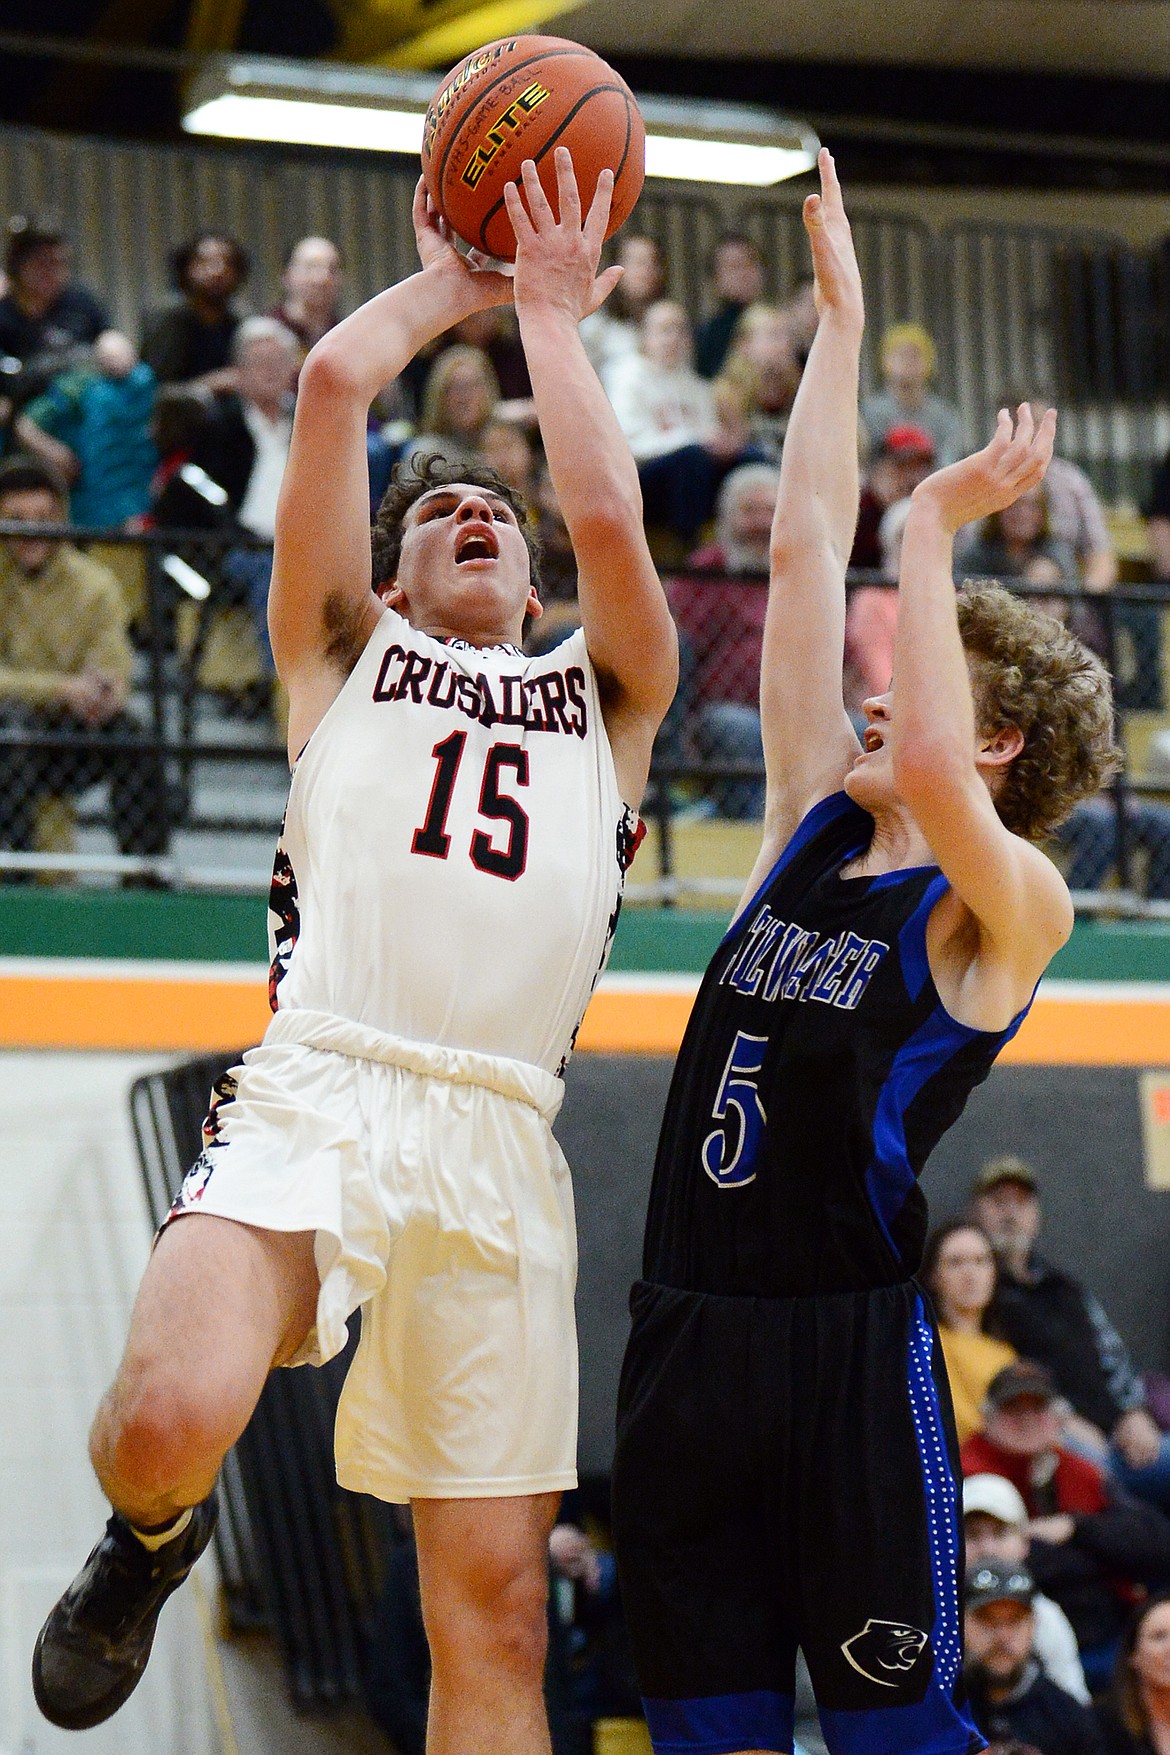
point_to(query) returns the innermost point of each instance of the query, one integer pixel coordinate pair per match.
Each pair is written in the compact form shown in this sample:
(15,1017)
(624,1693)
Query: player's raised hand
(1014,462)
(482,286)
(556,259)
(837,276)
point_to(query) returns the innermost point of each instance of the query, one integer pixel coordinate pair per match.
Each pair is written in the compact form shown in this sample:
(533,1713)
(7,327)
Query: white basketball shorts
(442,1206)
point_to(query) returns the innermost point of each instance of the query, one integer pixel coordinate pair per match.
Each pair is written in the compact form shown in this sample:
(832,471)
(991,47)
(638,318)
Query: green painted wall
(37,922)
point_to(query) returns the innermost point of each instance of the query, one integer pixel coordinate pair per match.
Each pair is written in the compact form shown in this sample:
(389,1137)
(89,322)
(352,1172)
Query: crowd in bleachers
(1066,1491)
(187,426)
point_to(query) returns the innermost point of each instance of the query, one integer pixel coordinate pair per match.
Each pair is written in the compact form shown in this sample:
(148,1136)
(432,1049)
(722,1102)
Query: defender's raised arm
(628,627)
(808,741)
(950,758)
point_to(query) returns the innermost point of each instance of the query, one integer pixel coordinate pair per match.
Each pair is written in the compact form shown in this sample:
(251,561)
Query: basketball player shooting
(448,880)
(786,1464)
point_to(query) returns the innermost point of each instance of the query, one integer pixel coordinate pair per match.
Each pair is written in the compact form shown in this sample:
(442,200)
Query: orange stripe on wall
(204,1016)
(193,1017)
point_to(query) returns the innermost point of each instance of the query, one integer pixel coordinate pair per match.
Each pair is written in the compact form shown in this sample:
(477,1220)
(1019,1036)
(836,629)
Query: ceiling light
(376,110)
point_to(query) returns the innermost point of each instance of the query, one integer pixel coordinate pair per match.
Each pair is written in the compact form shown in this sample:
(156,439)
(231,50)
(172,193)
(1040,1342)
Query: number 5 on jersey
(730,1151)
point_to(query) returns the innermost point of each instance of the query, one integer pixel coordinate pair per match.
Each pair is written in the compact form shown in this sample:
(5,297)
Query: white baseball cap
(994,1497)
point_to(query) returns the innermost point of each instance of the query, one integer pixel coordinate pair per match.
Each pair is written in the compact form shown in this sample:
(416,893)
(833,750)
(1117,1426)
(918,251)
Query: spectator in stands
(1093,1548)
(760,379)
(995,1530)
(558,569)
(613,331)
(908,362)
(244,448)
(1158,520)
(871,620)
(668,414)
(191,341)
(721,626)
(311,282)
(180,417)
(92,426)
(958,1270)
(505,447)
(802,317)
(45,316)
(736,268)
(1048,1315)
(1018,543)
(498,334)
(461,392)
(1074,517)
(904,457)
(1009,1695)
(1135,1718)
(65,667)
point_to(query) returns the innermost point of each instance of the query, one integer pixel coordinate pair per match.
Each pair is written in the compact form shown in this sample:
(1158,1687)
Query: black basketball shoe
(92,1650)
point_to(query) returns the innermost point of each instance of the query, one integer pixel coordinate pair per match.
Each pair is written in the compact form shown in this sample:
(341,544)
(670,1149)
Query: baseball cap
(994,1581)
(1026,1377)
(994,1497)
(1006,1168)
(907,440)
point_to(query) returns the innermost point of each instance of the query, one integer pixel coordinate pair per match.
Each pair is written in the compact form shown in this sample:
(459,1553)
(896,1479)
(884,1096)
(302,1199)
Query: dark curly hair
(183,256)
(1027,670)
(417,476)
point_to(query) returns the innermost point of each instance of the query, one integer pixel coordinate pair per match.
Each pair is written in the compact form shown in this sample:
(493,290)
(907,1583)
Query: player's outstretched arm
(321,608)
(1019,900)
(628,626)
(809,743)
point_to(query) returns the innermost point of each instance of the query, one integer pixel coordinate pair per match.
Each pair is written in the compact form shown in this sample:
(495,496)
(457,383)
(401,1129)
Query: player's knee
(498,1616)
(157,1428)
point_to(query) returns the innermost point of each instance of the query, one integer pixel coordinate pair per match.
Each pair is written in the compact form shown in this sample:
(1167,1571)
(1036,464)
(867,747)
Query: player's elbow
(327,372)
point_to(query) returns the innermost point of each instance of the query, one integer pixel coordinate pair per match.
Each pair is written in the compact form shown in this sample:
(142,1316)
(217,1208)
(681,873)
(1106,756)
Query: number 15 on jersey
(730,1151)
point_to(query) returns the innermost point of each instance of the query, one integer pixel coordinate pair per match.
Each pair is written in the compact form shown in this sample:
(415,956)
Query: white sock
(155,1539)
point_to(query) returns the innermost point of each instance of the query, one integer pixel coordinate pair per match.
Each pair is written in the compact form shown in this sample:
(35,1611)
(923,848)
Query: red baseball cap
(908,441)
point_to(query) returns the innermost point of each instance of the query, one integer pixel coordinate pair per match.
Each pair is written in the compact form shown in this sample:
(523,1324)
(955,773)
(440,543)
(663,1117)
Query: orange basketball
(520,98)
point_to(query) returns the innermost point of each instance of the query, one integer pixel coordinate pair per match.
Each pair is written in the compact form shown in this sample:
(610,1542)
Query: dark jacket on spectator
(1053,1318)
(1118,1543)
(226,449)
(178,347)
(1040,1714)
(1117,1738)
(713,339)
(73,320)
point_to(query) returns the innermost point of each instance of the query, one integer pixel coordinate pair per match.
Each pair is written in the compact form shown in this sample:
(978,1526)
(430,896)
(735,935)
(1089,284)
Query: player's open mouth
(872,740)
(476,544)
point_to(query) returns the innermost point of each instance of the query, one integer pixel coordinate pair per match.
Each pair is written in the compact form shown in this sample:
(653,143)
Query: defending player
(447,883)
(786,1463)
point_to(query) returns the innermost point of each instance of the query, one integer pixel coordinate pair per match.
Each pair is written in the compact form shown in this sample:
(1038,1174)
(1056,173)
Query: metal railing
(184,787)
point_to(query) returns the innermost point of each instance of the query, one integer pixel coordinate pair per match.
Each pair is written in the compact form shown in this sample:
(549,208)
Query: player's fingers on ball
(517,212)
(539,205)
(568,195)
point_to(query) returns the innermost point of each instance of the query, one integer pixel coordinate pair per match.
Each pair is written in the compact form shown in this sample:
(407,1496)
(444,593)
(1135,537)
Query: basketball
(520,98)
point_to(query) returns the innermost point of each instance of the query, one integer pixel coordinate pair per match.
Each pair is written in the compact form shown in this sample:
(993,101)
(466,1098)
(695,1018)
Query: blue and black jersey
(818,1071)
(786,1470)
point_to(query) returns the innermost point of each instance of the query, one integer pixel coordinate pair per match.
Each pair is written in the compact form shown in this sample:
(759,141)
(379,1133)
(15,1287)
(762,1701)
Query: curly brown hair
(1027,670)
(417,476)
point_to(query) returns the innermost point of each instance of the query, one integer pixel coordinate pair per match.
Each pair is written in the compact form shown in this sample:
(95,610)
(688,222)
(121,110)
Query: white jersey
(451,864)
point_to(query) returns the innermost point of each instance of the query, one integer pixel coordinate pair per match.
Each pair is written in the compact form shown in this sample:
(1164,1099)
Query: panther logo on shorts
(884,1651)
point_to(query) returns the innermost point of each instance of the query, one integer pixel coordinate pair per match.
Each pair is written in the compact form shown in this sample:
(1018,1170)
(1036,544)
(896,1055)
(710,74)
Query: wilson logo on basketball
(497,135)
(473,65)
